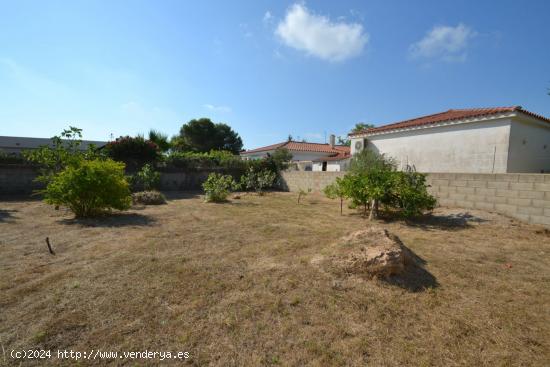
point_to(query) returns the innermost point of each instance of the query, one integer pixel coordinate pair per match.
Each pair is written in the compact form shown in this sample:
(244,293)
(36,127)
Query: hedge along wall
(522,196)
(19,179)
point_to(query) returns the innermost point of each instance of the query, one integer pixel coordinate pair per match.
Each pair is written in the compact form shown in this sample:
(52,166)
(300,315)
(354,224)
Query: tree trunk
(341,205)
(373,210)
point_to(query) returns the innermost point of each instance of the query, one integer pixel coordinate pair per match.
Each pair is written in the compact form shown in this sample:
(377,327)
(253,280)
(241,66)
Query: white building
(308,156)
(483,140)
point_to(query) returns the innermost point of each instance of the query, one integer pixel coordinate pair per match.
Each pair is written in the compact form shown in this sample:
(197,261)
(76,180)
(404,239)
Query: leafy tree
(64,152)
(360,126)
(203,135)
(336,190)
(344,141)
(90,188)
(374,181)
(281,158)
(367,160)
(134,151)
(356,189)
(161,140)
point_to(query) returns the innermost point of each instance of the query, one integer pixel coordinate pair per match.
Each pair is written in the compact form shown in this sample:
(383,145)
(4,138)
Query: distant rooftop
(298,146)
(450,115)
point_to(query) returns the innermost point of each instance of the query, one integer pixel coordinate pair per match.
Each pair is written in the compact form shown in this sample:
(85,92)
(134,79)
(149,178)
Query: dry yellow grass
(237,284)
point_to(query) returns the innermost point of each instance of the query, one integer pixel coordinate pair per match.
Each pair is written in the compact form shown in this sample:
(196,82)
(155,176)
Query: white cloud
(319,36)
(217,108)
(444,42)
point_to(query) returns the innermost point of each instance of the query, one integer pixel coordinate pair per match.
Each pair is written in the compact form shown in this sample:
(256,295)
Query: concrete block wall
(519,195)
(317,181)
(18,179)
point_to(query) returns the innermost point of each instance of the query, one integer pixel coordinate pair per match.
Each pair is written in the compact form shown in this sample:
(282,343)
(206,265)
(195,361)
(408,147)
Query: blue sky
(266,68)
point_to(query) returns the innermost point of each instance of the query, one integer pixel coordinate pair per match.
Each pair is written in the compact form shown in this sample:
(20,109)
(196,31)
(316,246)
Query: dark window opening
(324,166)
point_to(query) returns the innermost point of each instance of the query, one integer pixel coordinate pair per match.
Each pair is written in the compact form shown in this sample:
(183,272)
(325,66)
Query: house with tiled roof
(476,140)
(308,156)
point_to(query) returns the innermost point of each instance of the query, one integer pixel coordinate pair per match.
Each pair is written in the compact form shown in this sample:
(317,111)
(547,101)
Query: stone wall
(315,180)
(522,196)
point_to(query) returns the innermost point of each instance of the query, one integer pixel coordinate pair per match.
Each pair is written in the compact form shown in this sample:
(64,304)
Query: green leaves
(202,135)
(64,152)
(217,187)
(147,178)
(90,188)
(373,180)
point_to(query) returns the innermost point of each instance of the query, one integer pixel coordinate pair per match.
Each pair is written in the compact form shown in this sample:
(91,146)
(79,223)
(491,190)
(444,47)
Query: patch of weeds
(40,337)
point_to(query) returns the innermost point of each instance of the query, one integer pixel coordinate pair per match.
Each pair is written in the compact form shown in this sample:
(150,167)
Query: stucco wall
(529,149)
(522,196)
(477,147)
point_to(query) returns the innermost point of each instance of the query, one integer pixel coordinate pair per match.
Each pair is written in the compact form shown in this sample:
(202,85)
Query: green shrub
(373,181)
(147,178)
(90,188)
(148,198)
(257,181)
(134,151)
(214,159)
(411,193)
(217,187)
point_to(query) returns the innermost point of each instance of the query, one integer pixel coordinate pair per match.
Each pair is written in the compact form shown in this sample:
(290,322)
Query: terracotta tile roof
(335,157)
(298,146)
(449,116)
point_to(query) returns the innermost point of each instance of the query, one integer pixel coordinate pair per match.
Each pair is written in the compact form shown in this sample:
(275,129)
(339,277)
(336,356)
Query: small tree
(64,152)
(281,158)
(147,178)
(303,193)
(336,190)
(217,187)
(90,188)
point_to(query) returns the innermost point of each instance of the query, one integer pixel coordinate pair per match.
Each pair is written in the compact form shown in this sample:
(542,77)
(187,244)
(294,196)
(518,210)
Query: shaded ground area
(236,284)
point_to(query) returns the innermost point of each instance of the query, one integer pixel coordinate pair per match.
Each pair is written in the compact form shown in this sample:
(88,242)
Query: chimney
(332,140)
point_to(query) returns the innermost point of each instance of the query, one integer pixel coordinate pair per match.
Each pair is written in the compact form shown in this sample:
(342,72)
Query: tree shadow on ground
(6,215)
(112,220)
(415,278)
(179,195)
(446,222)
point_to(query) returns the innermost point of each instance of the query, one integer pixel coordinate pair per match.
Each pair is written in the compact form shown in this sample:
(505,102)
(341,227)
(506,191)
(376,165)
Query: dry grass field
(236,284)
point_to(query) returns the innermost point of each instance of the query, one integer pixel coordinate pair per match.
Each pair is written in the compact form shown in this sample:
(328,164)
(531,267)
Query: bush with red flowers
(134,151)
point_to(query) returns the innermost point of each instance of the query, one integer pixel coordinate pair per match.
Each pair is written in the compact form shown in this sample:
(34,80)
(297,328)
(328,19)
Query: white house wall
(474,147)
(529,147)
(296,156)
(332,166)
